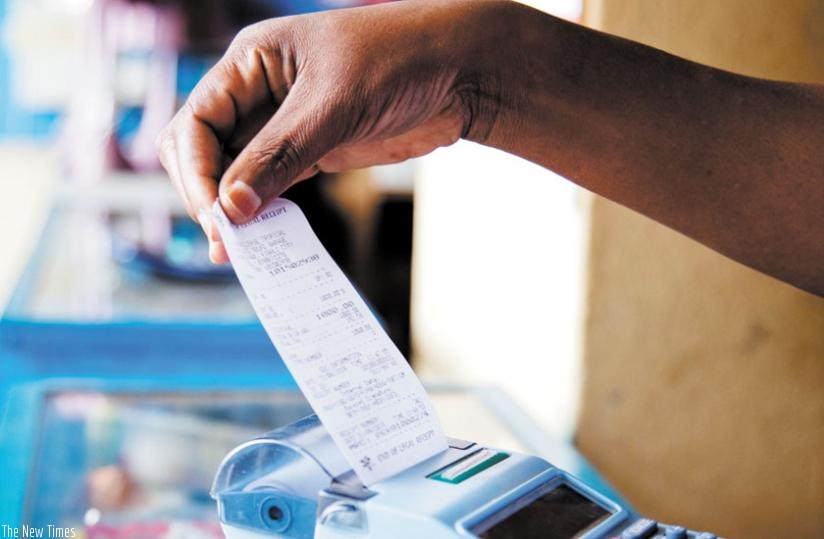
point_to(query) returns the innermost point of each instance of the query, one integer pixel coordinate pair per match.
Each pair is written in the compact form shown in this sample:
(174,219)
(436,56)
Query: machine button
(676,532)
(457,443)
(706,535)
(343,516)
(640,529)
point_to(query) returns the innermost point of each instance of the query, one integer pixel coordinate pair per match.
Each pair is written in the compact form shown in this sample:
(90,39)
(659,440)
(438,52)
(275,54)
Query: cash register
(293,483)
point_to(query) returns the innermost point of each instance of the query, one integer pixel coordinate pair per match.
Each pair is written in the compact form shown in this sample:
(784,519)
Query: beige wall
(703,393)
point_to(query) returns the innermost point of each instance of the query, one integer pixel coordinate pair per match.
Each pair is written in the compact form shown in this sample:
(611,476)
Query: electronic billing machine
(294,483)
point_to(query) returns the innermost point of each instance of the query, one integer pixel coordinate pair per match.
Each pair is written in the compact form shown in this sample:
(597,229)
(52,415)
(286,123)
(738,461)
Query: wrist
(506,83)
(483,33)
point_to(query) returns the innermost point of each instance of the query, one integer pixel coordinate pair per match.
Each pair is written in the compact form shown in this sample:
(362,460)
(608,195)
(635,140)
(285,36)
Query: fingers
(223,112)
(167,153)
(217,251)
(284,151)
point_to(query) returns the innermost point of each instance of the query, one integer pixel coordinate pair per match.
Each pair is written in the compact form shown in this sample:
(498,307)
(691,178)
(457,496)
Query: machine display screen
(561,513)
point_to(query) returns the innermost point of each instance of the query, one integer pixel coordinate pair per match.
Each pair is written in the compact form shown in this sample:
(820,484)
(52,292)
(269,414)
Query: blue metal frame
(36,348)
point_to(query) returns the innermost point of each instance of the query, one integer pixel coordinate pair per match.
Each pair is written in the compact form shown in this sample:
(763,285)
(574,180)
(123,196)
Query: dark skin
(734,162)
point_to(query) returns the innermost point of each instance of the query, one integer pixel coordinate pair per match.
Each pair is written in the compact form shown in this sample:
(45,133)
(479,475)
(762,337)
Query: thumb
(294,139)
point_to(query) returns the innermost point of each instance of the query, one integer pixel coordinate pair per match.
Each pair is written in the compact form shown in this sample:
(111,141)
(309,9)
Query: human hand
(328,92)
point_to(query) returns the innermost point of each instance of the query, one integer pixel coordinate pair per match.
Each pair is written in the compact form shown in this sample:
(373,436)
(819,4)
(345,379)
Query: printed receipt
(352,374)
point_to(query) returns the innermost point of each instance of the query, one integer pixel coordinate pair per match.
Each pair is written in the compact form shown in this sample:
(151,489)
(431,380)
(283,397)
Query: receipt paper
(353,376)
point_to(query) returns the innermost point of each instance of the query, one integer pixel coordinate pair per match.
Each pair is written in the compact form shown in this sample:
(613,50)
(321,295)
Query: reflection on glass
(140,465)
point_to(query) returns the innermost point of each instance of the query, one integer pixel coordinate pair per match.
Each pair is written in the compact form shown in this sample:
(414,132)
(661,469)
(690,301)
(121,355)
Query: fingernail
(214,252)
(244,199)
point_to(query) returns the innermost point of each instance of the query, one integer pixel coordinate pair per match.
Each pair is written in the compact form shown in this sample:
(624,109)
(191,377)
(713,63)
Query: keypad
(645,528)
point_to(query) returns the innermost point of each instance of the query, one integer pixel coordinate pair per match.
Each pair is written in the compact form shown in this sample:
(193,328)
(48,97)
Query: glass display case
(116,459)
(139,464)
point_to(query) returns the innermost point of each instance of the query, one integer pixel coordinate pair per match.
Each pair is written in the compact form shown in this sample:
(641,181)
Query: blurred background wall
(498,273)
(703,381)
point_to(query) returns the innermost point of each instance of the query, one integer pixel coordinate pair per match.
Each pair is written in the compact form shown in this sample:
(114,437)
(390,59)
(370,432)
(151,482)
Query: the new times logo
(35,531)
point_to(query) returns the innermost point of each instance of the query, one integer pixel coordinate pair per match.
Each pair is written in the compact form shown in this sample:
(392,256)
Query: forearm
(731,161)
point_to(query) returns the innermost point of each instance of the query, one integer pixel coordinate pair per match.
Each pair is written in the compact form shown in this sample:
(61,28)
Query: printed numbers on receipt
(353,376)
